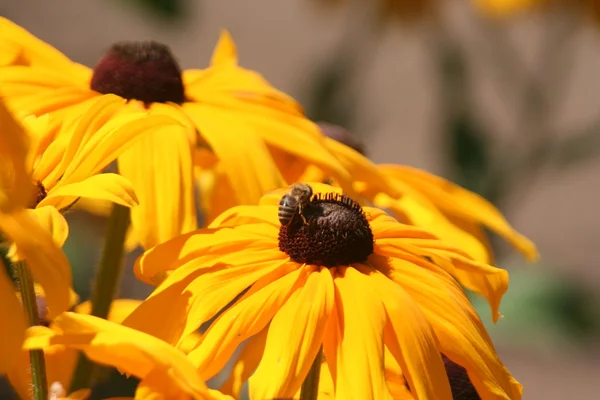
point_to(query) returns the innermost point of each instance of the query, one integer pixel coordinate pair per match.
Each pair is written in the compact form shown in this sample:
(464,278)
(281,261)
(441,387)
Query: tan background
(398,113)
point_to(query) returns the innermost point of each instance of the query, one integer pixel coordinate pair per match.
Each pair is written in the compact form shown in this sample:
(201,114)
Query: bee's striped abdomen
(287,209)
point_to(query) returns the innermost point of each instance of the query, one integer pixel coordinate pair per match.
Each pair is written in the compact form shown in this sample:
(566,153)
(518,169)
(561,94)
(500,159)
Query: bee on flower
(378,296)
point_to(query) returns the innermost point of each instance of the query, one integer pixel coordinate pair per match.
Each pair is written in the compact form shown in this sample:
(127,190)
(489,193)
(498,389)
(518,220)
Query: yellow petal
(359,371)
(246,363)
(428,217)
(109,187)
(410,339)
(152,265)
(35,51)
(130,351)
(460,333)
(486,280)
(19,80)
(46,101)
(294,338)
(246,318)
(113,139)
(225,52)
(119,309)
(196,291)
(160,168)
(361,168)
(46,260)
(242,154)
(16,189)
(84,127)
(454,200)
(11,334)
(53,221)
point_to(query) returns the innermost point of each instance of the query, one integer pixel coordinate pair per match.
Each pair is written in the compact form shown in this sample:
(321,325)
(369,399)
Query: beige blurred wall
(398,111)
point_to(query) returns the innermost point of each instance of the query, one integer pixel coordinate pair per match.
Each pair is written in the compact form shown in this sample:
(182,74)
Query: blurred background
(503,100)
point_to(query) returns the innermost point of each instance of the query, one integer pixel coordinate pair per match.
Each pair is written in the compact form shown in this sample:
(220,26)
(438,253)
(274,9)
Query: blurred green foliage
(165,10)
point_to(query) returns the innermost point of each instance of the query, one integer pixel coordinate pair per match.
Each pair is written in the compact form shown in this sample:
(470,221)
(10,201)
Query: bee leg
(302,215)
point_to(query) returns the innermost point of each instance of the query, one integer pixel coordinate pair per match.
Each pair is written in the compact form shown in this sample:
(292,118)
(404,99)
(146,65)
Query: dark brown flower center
(40,193)
(144,71)
(336,233)
(460,384)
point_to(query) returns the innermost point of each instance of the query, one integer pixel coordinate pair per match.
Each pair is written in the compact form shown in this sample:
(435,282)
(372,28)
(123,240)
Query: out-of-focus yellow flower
(39,181)
(451,212)
(165,372)
(61,361)
(345,279)
(252,136)
(503,8)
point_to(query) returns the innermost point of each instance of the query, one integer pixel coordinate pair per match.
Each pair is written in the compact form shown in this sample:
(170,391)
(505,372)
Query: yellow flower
(164,371)
(253,136)
(419,198)
(355,281)
(61,361)
(38,182)
(504,8)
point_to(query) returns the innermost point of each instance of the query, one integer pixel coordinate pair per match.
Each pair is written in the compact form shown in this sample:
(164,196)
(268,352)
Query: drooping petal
(109,187)
(84,127)
(424,215)
(16,188)
(53,221)
(462,203)
(460,333)
(244,157)
(246,363)
(246,318)
(488,281)
(13,328)
(410,339)
(160,168)
(47,262)
(130,351)
(294,338)
(115,137)
(196,291)
(361,321)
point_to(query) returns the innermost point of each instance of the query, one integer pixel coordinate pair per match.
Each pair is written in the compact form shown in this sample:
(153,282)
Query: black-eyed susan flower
(248,136)
(419,198)
(165,371)
(353,280)
(38,182)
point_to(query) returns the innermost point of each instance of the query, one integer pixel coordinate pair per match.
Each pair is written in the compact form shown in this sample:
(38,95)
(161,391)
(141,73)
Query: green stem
(310,387)
(107,283)
(36,357)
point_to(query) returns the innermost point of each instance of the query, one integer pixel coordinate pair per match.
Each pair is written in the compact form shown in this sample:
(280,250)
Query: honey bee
(295,199)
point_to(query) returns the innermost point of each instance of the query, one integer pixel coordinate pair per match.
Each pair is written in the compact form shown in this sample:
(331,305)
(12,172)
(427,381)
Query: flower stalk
(36,357)
(107,283)
(310,387)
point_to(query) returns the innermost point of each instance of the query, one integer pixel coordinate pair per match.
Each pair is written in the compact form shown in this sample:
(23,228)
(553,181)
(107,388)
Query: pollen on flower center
(336,233)
(144,71)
